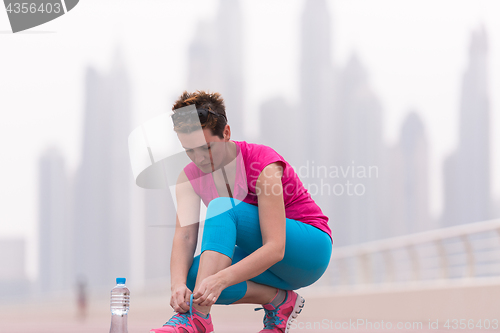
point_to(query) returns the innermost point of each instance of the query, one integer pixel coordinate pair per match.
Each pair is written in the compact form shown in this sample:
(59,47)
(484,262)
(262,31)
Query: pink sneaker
(279,319)
(189,322)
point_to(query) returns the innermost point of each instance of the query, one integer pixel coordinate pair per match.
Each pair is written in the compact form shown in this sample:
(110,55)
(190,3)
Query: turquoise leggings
(232,228)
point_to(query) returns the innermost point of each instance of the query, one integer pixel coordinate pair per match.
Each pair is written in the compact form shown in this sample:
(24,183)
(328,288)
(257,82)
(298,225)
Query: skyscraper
(317,92)
(215,62)
(13,280)
(314,116)
(340,129)
(357,144)
(407,190)
(276,127)
(467,171)
(55,222)
(103,180)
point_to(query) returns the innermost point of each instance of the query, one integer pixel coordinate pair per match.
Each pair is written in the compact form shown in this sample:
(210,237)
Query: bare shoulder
(272,170)
(188,202)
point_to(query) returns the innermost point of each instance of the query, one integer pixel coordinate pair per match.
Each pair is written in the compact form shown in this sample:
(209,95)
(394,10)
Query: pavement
(323,312)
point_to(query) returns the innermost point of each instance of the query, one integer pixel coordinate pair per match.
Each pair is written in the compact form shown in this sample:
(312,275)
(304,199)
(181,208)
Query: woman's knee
(220,206)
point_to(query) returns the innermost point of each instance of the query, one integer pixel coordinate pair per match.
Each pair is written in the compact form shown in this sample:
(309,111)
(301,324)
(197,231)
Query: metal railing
(465,252)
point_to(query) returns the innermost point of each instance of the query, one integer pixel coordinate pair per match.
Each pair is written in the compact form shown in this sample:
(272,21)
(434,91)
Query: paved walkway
(321,314)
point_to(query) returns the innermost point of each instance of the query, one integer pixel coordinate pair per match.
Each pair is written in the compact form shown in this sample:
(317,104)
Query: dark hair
(205,100)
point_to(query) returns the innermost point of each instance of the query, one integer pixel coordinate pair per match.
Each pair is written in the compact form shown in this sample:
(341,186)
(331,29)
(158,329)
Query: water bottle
(120,296)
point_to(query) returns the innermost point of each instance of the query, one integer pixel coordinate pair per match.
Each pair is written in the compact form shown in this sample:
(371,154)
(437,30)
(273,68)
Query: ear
(227,132)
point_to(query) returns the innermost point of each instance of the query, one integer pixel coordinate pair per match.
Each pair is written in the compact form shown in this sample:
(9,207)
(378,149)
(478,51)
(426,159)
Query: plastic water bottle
(120,297)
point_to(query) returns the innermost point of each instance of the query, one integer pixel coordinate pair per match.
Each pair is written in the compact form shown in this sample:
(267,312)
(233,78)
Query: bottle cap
(120,280)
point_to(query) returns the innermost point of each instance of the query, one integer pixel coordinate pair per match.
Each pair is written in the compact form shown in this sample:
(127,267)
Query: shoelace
(182,318)
(271,319)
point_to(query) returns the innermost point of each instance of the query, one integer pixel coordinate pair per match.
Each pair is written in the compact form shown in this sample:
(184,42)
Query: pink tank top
(252,159)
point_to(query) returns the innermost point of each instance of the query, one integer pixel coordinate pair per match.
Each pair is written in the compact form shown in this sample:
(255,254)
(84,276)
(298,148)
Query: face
(207,151)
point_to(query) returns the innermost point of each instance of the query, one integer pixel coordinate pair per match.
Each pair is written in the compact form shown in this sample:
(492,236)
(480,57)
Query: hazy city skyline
(364,59)
(393,203)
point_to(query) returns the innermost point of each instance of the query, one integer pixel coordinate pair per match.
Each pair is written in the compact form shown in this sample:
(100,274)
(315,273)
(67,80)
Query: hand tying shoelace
(182,318)
(192,321)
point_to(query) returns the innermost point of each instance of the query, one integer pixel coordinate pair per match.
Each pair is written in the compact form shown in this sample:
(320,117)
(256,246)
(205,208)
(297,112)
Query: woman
(263,237)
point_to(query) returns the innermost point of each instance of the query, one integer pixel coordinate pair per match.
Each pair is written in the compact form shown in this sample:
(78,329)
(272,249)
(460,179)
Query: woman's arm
(186,234)
(269,190)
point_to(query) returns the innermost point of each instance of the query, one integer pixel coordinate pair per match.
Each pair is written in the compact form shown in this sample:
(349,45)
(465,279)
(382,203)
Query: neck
(231,152)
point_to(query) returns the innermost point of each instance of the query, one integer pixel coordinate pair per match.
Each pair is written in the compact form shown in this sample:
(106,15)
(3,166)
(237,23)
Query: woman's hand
(209,290)
(180,298)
